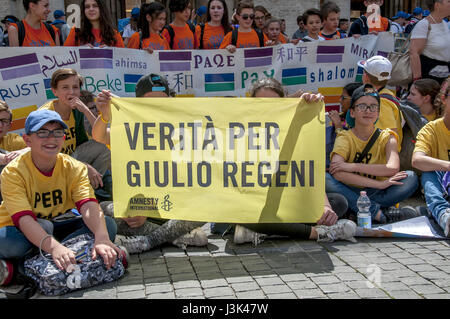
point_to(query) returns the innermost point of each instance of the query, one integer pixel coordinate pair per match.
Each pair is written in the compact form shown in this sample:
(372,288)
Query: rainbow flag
(20,115)
(330,54)
(175,61)
(258,57)
(219,82)
(332,97)
(19,66)
(96,58)
(293,76)
(130,82)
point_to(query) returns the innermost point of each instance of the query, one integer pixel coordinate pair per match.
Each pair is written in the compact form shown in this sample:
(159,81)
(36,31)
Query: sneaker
(344,229)
(6,272)
(444,222)
(133,244)
(394,214)
(423,211)
(244,235)
(196,237)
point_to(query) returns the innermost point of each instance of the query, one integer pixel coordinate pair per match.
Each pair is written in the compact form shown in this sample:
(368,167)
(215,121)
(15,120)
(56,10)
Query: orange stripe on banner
(23,112)
(18,124)
(332,99)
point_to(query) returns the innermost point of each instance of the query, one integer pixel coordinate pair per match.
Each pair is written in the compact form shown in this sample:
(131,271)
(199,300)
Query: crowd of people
(63,159)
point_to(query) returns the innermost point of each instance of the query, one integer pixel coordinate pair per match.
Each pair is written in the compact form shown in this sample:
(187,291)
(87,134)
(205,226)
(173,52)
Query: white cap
(378,66)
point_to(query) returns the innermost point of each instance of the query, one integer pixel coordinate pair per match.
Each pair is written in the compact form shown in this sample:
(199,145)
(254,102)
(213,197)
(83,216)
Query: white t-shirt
(396,27)
(312,40)
(127,31)
(438,43)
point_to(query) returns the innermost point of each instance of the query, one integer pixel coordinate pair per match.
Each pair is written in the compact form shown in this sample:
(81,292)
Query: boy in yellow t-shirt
(44,183)
(432,156)
(12,143)
(377,172)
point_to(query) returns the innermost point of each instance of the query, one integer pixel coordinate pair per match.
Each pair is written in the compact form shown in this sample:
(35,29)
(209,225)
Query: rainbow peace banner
(324,66)
(236,160)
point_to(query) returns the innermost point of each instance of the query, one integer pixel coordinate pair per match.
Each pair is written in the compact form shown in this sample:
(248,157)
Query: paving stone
(290,295)
(414,280)
(404,294)
(300,285)
(125,288)
(392,286)
(218,291)
(359,284)
(370,293)
(245,286)
(343,295)
(167,295)
(188,292)
(135,294)
(426,289)
(214,283)
(432,274)
(325,280)
(186,284)
(257,294)
(437,296)
(309,293)
(293,277)
(154,289)
(350,276)
(269,281)
(331,288)
(423,267)
(239,279)
(411,261)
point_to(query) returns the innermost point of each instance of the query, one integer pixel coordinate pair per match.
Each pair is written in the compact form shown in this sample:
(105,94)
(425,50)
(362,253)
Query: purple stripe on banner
(257,53)
(96,54)
(258,62)
(18,60)
(176,66)
(382,53)
(330,49)
(329,58)
(175,56)
(96,64)
(21,72)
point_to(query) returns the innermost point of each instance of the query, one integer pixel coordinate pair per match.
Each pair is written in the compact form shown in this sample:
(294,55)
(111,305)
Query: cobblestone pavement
(285,268)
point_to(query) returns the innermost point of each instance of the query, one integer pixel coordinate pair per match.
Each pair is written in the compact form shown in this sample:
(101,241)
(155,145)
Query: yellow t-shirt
(430,117)
(27,191)
(349,146)
(70,142)
(434,140)
(390,116)
(12,142)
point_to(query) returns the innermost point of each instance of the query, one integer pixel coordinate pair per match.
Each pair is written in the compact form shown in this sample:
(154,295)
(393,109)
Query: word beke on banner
(25,73)
(219,159)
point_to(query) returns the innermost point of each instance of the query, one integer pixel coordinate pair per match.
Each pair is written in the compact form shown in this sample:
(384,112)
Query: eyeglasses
(5,121)
(246,16)
(58,133)
(363,107)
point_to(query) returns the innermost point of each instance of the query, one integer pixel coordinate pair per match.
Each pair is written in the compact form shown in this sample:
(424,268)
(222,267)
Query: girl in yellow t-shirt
(432,156)
(377,172)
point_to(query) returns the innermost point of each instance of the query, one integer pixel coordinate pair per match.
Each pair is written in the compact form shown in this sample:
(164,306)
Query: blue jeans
(14,244)
(431,183)
(379,198)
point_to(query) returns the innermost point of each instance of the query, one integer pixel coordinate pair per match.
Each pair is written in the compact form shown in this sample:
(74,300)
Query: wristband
(101,118)
(40,245)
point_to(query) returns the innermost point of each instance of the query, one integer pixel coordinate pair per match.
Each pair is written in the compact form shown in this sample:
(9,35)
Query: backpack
(414,121)
(235,32)
(172,33)
(59,26)
(52,281)
(202,33)
(21,31)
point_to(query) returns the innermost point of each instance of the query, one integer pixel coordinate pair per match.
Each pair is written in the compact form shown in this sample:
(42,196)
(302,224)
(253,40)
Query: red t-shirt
(212,36)
(71,42)
(155,42)
(244,40)
(184,38)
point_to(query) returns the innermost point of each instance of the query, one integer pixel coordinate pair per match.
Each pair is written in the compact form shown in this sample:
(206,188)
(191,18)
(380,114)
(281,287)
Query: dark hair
(342,20)
(178,5)
(329,7)
(267,83)
(225,20)
(106,26)
(432,88)
(86,96)
(263,10)
(430,4)
(351,87)
(26,3)
(311,12)
(244,5)
(299,18)
(153,9)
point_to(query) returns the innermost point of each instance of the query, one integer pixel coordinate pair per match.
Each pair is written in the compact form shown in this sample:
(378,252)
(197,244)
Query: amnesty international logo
(167,205)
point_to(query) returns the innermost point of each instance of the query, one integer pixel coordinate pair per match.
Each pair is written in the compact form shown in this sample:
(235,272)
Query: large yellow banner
(237,160)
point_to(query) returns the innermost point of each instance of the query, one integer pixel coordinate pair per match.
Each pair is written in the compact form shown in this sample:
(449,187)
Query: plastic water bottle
(364,217)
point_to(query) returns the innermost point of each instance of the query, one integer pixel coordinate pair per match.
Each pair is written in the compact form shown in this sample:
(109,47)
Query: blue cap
(58,13)
(135,12)
(401,14)
(201,11)
(426,13)
(417,11)
(37,119)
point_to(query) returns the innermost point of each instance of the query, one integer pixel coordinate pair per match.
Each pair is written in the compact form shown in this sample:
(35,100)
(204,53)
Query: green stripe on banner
(129,87)
(358,78)
(294,80)
(50,94)
(215,87)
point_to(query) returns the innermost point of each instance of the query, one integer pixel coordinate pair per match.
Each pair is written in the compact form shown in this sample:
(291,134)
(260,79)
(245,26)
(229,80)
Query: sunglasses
(246,16)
